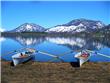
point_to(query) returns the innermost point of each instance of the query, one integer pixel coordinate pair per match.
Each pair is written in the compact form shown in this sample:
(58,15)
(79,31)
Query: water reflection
(2,39)
(73,43)
(77,43)
(67,41)
(29,41)
(56,45)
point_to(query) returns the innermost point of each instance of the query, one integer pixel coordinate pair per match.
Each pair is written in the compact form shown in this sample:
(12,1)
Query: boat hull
(82,59)
(17,59)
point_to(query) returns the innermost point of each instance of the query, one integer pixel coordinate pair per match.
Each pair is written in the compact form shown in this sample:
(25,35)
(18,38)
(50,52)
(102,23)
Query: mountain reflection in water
(71,42)
(29,41)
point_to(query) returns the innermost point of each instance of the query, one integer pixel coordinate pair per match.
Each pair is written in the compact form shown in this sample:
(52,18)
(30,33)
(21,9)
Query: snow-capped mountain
(29,27)
(78,25)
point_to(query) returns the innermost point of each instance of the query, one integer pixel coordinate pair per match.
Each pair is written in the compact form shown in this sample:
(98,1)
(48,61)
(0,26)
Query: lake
(56,46)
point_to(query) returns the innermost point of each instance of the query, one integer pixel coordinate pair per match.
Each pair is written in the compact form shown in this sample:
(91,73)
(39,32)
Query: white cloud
(1,29)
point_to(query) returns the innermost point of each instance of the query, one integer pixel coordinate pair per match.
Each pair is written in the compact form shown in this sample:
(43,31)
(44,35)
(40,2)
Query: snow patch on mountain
(29,27)
(67,28)
(100,25)
(78,25)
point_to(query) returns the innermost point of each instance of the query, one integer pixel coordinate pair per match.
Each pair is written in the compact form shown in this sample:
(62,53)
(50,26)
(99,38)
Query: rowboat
(82,57)
(22,57)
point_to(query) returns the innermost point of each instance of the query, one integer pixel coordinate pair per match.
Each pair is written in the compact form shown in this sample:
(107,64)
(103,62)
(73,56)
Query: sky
(51,13)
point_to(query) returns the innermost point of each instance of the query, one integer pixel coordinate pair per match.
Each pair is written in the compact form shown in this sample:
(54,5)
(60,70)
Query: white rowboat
(18,58)
(83,57)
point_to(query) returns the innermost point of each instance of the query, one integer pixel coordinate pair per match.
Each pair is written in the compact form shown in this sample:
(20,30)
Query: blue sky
(51,13)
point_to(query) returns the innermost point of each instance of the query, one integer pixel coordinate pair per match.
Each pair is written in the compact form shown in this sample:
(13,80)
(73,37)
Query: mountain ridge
(78,25)
(74,26)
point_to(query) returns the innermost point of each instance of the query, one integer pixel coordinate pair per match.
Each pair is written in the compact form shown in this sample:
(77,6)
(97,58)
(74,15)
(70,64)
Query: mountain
(77,25)
(105,30)
(74,26)
(29,27)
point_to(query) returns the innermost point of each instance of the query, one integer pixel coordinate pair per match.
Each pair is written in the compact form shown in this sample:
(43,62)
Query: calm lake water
(56,46)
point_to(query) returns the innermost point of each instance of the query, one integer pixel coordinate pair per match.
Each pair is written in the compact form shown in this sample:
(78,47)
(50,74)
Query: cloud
(2,30)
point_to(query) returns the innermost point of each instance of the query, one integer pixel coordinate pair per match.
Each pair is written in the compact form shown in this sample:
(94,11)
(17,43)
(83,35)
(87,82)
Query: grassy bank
(36,72)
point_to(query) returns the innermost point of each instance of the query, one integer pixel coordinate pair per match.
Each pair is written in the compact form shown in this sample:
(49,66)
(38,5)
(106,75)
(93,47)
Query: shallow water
(56,46)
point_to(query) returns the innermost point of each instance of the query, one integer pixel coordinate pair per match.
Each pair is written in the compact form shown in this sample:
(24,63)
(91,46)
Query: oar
(45,53)
(13,51)
(59,56)
(99,53)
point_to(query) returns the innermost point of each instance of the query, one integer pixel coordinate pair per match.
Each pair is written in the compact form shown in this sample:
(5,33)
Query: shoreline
(32,72)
